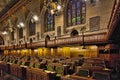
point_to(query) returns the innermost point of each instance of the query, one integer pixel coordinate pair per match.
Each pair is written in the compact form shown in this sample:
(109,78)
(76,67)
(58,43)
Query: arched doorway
(74,33)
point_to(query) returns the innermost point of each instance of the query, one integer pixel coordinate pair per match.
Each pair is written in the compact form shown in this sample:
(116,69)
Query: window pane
(69,17)
(76,12)
(83,12)
(49,21)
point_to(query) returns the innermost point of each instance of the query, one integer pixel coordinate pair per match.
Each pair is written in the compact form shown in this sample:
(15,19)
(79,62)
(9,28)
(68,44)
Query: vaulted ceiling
(4,3)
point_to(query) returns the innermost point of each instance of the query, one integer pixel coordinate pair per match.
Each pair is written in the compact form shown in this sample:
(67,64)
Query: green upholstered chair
(101,75)
(82,72)
(59,70)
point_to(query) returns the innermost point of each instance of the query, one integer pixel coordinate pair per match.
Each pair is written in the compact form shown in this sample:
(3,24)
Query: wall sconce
(35,18)
(4,32)
(21,25)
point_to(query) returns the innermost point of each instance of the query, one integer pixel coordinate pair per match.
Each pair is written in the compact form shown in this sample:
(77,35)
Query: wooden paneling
(36,74)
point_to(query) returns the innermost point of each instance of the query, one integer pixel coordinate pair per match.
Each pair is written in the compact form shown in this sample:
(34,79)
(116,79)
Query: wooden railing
(88,39)
(96,38)
(36,44)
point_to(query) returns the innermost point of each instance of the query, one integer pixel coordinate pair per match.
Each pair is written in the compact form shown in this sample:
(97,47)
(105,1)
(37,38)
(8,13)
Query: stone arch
(29,17)
(65,10)
(42,16)
(74,33)
(41,4)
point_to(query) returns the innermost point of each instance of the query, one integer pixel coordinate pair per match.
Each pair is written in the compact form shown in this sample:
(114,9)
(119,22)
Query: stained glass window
(49,22)
(76,12)
(20,33)
(32,27)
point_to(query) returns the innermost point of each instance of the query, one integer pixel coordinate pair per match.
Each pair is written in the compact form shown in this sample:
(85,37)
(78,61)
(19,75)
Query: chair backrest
(82,72)
(101,75)
(37,65)
(59,70)
(71,66)
(32,64)
(36,74)
(50,67)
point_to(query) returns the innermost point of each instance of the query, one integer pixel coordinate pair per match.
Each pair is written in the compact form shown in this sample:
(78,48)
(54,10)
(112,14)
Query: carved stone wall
(102,8)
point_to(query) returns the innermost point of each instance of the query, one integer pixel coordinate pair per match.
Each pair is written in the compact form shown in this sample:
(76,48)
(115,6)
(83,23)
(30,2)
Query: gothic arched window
(20,33)
(49,22)
(76,12)
(32,27)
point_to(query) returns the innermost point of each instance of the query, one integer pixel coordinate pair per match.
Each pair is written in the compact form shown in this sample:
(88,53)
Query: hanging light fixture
(8,27)
(54,6)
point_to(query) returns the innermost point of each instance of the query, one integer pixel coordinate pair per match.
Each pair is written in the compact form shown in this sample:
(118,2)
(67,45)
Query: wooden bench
(18,71)
(3,68)
(36,74)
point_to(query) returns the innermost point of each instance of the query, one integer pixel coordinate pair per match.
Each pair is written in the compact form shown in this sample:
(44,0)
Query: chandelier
(54,6)
(8,27)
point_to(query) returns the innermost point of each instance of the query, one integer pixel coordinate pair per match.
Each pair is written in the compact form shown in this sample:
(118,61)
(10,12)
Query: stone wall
(101,8)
